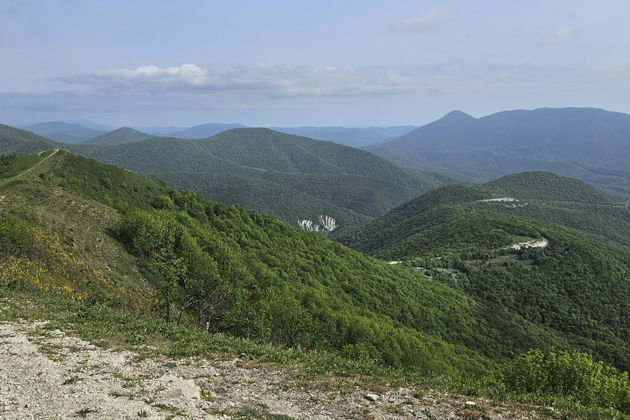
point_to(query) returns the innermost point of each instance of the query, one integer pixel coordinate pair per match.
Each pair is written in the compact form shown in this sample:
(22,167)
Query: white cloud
(276,80)
(559,36)
(423,21)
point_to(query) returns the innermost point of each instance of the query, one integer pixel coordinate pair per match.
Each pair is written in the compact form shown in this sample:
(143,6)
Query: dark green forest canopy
(576,287)
(251,275)
(315,177)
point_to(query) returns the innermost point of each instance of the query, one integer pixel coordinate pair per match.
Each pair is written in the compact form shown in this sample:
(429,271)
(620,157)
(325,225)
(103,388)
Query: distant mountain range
(349,136)
(585,143)
(204,130)
(63,131)
(75,132)
(119,136)
(282,175)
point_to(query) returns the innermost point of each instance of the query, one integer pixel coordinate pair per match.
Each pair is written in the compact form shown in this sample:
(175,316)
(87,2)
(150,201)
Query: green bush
(571,375)
(16,237)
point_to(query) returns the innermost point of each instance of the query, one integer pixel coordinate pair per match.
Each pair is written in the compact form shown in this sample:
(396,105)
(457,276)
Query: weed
(71,380)
(85,411)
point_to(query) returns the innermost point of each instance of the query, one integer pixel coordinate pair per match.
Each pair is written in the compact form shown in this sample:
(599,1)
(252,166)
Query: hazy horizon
(355,64)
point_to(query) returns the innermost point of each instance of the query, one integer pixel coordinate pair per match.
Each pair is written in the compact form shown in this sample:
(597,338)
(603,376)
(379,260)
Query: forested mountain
(586,143)
(72,228)
(273,197)
(257,276)
(294,177)
(119,136)
(63,131)
(16,141)
(349,136)
(203,130)
(310,171)
(548,249)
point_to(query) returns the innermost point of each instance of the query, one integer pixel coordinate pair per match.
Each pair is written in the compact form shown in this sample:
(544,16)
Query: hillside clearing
(534,243)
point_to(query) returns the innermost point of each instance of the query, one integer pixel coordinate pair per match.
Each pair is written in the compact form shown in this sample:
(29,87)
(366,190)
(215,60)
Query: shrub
(16,237)
(568,374)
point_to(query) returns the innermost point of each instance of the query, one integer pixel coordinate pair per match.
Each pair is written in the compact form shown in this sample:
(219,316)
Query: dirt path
(7,180)
(45,374)
(54,152)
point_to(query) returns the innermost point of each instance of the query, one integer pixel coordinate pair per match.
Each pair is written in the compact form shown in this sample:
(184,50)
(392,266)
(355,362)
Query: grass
(260,412)
(72,380)
(85,411)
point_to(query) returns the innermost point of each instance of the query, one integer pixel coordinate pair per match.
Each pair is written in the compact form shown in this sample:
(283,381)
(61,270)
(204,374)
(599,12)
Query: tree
(170,272)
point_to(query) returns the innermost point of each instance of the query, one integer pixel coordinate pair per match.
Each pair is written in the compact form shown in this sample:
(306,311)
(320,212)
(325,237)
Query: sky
(294,62)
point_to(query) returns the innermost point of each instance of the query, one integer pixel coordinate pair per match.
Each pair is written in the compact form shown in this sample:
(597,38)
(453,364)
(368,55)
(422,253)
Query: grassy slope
(72,241)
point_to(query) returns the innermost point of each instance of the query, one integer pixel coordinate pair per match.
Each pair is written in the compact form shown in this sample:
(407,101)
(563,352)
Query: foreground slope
(504,244)
(98,380)
(586,143)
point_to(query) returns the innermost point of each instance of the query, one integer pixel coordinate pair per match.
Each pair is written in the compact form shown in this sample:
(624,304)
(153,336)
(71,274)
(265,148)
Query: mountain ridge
(119,136)
(576,142)
(317,171)
(64,132)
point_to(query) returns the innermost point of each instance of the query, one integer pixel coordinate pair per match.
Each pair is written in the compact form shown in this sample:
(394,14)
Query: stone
(371,397)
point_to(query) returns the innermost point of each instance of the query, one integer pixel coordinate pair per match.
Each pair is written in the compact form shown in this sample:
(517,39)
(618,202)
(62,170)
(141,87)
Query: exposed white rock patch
(327,222)
(535,243)
(500,199)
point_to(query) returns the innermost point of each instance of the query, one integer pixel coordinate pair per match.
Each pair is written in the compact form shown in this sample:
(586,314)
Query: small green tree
(169,272)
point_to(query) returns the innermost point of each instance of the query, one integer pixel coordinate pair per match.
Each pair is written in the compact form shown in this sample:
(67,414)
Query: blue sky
(351,62)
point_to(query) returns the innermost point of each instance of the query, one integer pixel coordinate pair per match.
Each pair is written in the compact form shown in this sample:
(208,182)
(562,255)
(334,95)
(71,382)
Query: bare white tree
(308,225)
(328,222)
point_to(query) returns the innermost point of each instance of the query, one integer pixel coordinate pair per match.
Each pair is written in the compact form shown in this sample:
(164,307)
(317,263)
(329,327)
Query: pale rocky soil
(46,374)
(535,243)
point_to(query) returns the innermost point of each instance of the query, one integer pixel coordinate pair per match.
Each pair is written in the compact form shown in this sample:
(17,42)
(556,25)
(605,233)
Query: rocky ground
(46,374)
